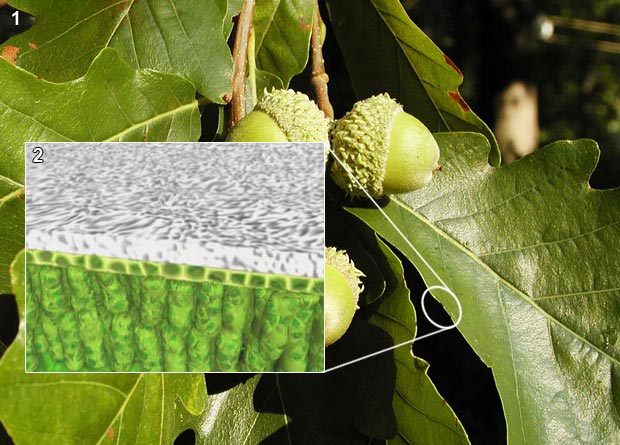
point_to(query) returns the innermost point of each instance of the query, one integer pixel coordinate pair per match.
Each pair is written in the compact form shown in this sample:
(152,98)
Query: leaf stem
(252,67)
(240,59)
(319,76)
(18,193)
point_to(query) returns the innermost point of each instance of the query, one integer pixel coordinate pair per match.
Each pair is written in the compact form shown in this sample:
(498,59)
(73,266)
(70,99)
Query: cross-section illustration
(174,257)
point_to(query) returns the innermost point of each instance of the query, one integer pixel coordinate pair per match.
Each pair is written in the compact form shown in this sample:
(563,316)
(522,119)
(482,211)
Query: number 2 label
(38,155)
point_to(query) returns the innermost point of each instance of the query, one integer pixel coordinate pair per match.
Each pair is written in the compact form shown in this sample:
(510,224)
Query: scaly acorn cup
(342,290)
(387,150)
(283,116)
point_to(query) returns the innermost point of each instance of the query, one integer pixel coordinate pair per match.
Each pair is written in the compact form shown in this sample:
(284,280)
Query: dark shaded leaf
(386,52)
(346,405)
(423,415)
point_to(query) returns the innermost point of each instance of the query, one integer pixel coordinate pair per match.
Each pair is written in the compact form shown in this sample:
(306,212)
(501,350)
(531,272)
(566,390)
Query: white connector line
(443,285)
(408,342)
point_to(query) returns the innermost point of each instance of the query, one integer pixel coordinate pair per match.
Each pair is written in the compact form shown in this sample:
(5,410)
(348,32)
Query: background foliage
(496,42)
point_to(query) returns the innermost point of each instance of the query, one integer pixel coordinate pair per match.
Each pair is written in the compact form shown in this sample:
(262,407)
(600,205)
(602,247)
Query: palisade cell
(149,348)
(152,257)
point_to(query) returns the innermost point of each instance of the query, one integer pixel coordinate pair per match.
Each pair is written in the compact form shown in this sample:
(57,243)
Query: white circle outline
(433,322)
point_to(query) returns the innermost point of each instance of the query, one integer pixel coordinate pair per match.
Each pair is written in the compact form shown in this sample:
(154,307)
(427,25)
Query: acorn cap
(340,261)
(297,116)
(361,140)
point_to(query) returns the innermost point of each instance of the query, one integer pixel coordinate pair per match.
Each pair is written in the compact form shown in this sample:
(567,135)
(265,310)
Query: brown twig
(240,60)
(319,76)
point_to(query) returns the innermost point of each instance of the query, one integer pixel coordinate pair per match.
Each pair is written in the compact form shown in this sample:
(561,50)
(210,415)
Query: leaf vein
(577,294)
(549,243)
(534,187)
(79,22)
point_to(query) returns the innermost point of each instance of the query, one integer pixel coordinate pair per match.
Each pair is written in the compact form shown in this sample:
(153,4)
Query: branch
(319,76)
(240,59)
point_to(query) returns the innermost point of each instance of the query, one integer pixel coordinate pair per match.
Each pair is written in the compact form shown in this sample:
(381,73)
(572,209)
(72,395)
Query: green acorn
(283,116)
(342,290)
(388,150)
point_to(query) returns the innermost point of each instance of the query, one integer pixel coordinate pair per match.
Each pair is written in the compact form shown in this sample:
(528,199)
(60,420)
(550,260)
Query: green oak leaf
(114,408)
(423,415)
(283,29)
(112,102)
(232,416)
(187,38)
(386,52)
(12,209)
(530,250)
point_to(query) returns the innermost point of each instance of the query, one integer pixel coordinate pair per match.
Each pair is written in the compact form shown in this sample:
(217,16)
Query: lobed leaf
(528,251)
(112,102)
(187,38)
(421,412)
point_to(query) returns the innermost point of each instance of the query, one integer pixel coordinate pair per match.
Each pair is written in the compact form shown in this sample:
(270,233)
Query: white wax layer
(253,207)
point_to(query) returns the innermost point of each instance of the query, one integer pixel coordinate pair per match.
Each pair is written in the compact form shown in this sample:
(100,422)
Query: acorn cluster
(377,149)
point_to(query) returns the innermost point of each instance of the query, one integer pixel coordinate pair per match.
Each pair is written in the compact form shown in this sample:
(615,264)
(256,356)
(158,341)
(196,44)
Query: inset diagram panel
(174,257)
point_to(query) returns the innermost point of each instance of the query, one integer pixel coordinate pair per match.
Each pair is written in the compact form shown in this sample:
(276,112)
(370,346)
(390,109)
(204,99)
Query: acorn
(387,149)
(342,290)
(283,116)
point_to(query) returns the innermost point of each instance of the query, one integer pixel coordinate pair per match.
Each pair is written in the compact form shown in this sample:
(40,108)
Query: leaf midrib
(11,182)
(134,127)
(121,409)
(118,24)
(259,45)
(12,195)
(33,119)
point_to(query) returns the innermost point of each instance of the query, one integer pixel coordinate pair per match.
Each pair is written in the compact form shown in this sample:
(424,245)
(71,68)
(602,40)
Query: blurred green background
(568,51)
